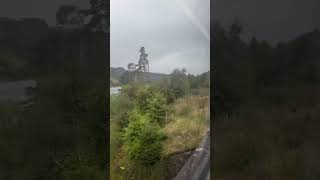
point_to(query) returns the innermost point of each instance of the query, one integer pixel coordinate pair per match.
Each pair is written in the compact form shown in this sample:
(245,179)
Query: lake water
(115,90)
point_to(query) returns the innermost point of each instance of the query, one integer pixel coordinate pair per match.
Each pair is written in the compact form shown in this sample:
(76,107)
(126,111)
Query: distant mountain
(117,73)
(153,76)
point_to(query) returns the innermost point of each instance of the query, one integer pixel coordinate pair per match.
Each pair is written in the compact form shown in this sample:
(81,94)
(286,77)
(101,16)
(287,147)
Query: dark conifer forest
(266,123)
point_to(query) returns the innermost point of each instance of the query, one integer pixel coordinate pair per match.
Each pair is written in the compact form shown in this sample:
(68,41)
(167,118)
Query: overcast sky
(175,34)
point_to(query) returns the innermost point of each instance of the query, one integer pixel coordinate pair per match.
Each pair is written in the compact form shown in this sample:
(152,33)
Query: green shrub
(143,97)
(150,101)
(157,108)
(119,108)
(179,84)
(129,91)
(143,140)
(114,105)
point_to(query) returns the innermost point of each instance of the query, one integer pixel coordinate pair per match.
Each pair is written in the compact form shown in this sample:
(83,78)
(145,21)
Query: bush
(150,101)
(143,97)
(121,105)
(163,86)
(157,108)
(143,140)
(179,84)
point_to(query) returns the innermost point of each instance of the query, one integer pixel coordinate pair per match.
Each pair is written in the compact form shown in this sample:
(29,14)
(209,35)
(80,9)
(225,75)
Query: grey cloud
(168,34)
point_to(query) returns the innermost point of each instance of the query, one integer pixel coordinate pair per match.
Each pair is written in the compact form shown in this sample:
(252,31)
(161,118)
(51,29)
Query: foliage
(179,84)
(120,106)
(246,67)
(139,112)
(163,87)
(97,15)
(143,140)
(141,115)
(271,131)
(68,115)
(151,102)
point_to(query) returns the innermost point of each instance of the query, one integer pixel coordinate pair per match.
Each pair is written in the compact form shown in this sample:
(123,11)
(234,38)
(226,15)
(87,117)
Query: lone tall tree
(142,66)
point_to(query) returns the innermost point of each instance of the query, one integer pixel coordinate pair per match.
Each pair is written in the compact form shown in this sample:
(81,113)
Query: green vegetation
(62,135)
(150,121)
(268,141)
(143,139)
(266,108)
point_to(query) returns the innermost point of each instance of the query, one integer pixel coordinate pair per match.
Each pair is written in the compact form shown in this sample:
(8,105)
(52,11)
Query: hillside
(118,73)
(150,76)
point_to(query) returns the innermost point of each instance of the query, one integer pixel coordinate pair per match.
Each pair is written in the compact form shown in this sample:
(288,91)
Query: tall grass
(188,121)
(123,169)
(268,142)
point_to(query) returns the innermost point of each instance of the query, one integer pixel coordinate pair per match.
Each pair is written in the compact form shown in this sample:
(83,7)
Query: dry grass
(189,121)
(268,142)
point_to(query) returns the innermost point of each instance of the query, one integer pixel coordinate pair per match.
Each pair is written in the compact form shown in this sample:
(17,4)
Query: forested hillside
(266,105)
(63,133)
(122,76)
